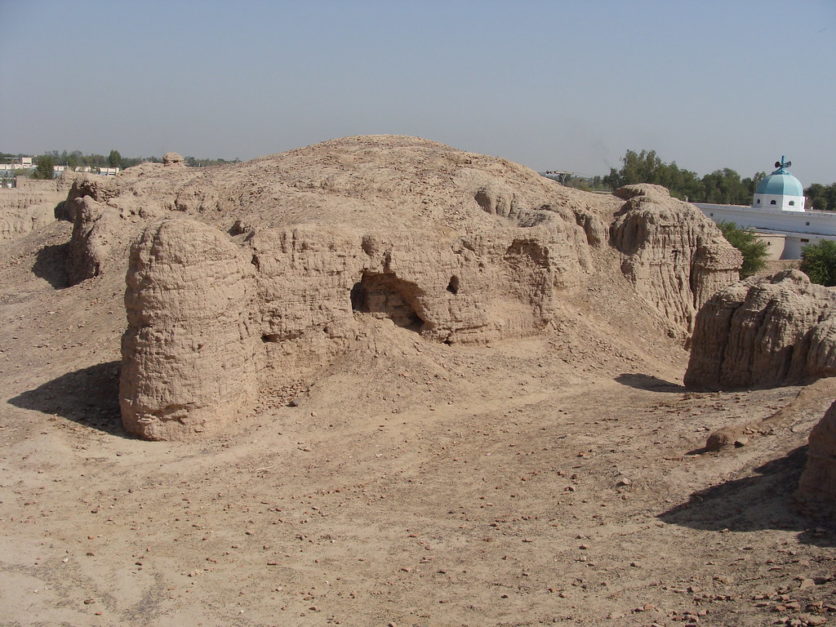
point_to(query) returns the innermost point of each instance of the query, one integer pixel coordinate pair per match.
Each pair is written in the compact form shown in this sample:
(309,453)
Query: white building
(777,214)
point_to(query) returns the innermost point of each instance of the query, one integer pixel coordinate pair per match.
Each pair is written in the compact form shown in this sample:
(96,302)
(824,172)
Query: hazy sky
(552,84)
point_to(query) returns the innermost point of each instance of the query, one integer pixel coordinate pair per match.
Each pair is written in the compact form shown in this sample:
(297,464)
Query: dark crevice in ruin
(484,201)
(386,294)
(453,285)
(281,336)
(51,265)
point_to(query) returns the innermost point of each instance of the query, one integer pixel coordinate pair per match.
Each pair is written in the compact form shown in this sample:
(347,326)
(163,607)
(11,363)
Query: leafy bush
(818,261)
(753,250)
(44,167)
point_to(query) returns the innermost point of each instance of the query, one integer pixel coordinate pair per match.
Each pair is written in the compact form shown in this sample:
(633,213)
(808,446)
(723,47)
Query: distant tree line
(76,159)
(822,197)
(723,186)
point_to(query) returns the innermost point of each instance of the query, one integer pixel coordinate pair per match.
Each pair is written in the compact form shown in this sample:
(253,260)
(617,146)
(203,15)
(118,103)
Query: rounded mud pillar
(188,355)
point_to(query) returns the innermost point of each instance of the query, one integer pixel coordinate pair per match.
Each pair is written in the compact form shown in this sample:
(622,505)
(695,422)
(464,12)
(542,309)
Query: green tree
(754,251)
(637,167)
(129,162)
(821,197)
(114,159)
(720,186)
(750,184)
(818,261)
(647,167)
(725,187)
(44,167)
(74,159)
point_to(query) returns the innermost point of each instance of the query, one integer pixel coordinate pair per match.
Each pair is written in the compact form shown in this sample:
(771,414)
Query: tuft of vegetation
(818,261)
(754,251)
(43,167)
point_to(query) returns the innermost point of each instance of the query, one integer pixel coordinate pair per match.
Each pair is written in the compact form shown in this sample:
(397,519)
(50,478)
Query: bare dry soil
(540,480)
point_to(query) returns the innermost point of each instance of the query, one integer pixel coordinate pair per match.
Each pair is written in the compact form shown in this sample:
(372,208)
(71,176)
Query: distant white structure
(777,214)
(557,175)
(780,190)
(8,170)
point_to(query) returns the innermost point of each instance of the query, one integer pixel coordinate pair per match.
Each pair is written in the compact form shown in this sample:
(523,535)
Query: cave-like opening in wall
(387,295)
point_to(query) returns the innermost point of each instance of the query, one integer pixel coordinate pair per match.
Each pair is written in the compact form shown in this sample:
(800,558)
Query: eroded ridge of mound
(764,332)
(453,246)
(29,206)
(191,352)
(189,361)
(675,258)
(817,486)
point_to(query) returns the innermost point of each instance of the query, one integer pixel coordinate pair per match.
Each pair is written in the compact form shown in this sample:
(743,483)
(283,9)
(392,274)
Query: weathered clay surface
(173,158)
(770,331)
(99,188)
(453,246)
(817,485)
(29,207)
(675,257)
(189,360)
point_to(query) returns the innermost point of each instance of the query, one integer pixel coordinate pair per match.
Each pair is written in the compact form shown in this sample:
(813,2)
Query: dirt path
(533,481)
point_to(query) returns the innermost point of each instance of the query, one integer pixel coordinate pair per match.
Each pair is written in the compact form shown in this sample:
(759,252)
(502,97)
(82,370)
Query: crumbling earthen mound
(763,332)
(817,486)
(452,246)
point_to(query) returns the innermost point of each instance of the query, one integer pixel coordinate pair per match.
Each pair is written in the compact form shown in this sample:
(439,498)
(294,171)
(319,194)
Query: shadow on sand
(763,501)
(649,383)
(89,396)
(51,265)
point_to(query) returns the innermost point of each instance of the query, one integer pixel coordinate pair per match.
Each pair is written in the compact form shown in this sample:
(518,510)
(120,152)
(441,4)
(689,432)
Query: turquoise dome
(780,182)
(784,184)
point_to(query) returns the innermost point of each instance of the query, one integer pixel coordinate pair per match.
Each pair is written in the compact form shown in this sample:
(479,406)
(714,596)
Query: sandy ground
(542,480)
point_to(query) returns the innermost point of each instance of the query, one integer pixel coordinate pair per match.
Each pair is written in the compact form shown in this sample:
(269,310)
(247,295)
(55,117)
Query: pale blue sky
(553,85)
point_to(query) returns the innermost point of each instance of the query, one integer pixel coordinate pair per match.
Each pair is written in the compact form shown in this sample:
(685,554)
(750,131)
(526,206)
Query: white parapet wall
(798,228)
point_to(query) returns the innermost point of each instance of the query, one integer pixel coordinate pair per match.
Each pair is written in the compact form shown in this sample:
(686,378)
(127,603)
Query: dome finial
(782,165)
